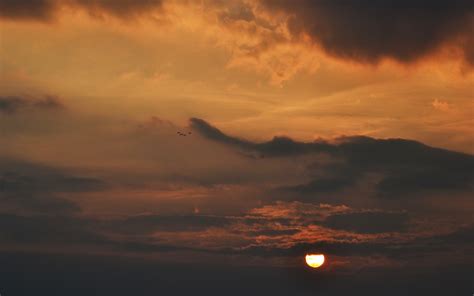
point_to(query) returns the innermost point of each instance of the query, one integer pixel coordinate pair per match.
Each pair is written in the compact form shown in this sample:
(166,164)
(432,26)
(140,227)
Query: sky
(205,147)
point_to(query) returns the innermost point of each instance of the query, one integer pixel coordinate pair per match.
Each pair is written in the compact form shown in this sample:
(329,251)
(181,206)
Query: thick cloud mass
(406,167)
(369,30)
(365,31)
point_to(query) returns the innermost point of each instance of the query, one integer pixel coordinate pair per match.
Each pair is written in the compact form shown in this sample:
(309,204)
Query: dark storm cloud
(406,167)
(13,104)
(369,30)
(45,10)
(368,222)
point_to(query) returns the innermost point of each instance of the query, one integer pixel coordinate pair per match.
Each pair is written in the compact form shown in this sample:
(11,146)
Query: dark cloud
(24,176)
(406,167)
(35,187)
(46,229)
(175,223)
(368,222)
(48,102)
(449,243)
(272,232)
(27,9)
(13,104)
(409,167)
(365,31)
(370,30)
(463,235)
(36,203)
(323,185)
(58,182)
(45,10)
(61,230)
(423,179)
(278,146)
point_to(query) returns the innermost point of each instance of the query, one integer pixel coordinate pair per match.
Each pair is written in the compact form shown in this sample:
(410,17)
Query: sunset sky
(207,146)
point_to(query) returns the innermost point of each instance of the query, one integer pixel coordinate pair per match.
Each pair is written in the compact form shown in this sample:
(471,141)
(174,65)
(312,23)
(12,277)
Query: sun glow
(315,260)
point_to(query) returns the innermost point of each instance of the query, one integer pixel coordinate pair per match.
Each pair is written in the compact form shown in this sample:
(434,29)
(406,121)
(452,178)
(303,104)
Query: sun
(315,260)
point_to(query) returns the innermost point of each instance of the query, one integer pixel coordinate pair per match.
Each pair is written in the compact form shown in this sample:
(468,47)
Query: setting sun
(314,261)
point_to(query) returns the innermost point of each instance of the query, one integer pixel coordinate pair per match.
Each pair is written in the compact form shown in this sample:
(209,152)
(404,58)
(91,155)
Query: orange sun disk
(315,260)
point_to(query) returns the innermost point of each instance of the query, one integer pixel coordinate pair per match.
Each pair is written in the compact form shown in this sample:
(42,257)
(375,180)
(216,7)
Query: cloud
(122,8)
(27,9)
(324,184)
(463,235)
(368,222)
(32,187)
(278,146)
(69,230)
(14,104)
(369,31)
(166,223)
(57,182)
(45,10)
(37,203)
(460,239)
(441,105)
(406,167)
(46,229)
(24,176)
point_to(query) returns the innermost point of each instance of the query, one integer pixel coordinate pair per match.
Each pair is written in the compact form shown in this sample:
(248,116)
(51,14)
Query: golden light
(315,260)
